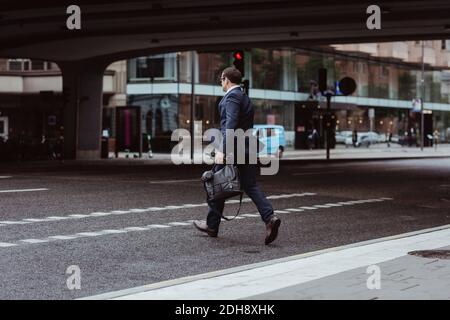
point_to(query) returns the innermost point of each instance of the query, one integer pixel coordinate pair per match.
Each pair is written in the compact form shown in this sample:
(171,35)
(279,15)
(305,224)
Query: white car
(365,139)
(341,136)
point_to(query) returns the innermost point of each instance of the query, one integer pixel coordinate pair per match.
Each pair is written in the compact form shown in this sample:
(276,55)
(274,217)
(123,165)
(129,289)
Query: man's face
(223,82)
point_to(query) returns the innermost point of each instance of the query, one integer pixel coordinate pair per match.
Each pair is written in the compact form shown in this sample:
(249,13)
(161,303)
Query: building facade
(151,95)
(387,98)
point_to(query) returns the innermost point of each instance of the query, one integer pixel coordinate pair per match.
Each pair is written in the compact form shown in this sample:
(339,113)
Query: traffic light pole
(192,103)
(328,123)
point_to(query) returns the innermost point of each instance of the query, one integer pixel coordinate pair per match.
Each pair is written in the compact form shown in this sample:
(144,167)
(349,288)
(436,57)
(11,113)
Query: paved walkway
(380,151)
(375,269)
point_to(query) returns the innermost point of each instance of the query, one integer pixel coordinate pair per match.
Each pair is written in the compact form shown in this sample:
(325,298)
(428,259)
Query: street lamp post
(422,83)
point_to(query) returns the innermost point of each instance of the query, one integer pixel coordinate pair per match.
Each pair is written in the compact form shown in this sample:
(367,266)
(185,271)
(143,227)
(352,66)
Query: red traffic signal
(239,55)
(238,61)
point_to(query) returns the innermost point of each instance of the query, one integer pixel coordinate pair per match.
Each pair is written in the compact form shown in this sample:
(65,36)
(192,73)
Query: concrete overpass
(113,31)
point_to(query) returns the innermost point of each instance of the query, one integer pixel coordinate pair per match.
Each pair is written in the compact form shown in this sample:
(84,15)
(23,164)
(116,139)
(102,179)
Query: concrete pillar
(82,94)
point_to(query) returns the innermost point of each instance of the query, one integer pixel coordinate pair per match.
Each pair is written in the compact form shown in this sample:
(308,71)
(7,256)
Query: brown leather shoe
(272,229)
(203,227)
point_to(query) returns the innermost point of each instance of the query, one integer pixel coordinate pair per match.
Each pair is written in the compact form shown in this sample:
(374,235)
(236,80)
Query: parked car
(341,136)
(365,139)
(273,138)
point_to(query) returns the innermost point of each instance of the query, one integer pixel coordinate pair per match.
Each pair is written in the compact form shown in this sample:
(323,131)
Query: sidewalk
(375,152)
(336,273)
(379,151)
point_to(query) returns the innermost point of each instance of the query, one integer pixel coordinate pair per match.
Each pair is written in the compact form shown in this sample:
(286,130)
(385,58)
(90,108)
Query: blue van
(273,138)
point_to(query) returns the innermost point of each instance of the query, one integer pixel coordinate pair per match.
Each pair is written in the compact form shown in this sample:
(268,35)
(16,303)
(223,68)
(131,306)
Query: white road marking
(321,206)
(137,210)
(250,215)
(112,231)
(157,226)
(14,222)
(23,190)
(32,241)
(295,210)
(6,244)
(147,227)
(100,214)
(88,234)
(179,224)
(280,211)
(62,237)
(155,209)
(57,218)
(136,229)
(5,177)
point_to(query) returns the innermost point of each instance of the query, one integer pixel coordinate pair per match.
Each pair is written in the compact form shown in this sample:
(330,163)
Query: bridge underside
(118,30)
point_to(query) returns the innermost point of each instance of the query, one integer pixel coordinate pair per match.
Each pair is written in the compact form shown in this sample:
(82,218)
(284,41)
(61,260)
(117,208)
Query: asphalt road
(53,218)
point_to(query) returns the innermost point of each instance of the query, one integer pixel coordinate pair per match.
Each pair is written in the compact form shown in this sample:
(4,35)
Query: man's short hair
(232,74)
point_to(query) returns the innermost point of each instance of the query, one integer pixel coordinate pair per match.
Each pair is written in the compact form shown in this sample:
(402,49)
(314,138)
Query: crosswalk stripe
(112,231)
(62,237)
(88,234)
(158,226)
(78,216)
(136,229)
(100,214)
(6,244)
(168,225)
(137,210)
(295,210)
(31,241)
(179,224)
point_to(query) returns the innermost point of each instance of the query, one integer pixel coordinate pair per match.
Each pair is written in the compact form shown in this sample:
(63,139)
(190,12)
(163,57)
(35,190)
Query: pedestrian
(436,138)
(237,112)
(389,138)
(354,137)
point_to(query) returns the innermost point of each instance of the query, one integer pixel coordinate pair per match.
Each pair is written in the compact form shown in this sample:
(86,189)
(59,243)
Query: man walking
(237,112)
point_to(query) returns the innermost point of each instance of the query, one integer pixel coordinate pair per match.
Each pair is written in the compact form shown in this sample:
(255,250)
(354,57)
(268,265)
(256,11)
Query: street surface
(128,226)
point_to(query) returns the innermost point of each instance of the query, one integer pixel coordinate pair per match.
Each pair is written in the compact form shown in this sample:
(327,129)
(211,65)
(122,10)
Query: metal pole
(192,102)
(422,134)
(328,124)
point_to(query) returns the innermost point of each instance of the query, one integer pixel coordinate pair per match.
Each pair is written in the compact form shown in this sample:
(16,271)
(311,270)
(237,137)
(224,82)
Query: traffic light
(322,80)
(238,61)
(66,95)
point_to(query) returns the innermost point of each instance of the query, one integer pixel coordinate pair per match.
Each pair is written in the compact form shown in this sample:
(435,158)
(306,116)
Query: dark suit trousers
(248,180)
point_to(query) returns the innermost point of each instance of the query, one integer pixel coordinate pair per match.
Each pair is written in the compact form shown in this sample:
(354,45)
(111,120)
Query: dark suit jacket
(236,112)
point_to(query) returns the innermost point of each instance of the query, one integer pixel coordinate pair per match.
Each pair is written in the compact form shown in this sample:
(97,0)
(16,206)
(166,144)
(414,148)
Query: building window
(158,67)
(15,64)
(27,65)
(37,65)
